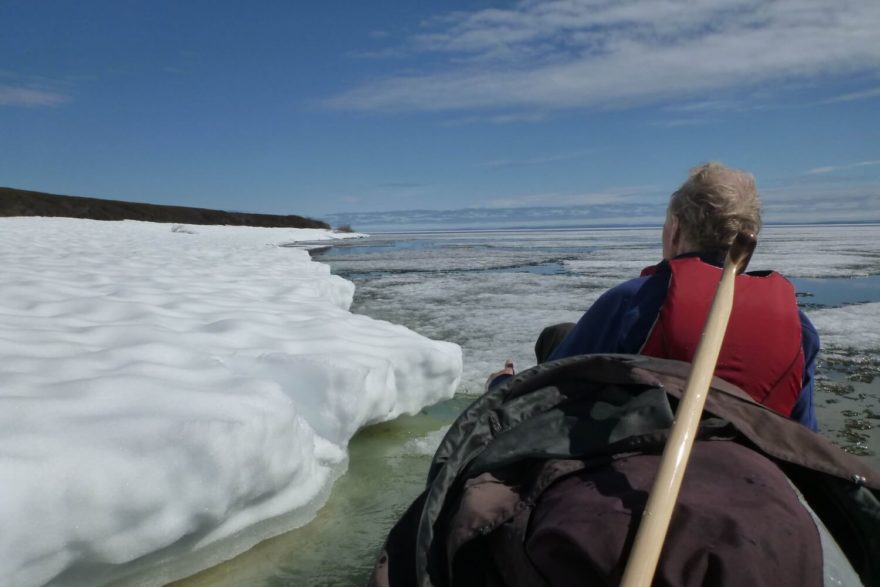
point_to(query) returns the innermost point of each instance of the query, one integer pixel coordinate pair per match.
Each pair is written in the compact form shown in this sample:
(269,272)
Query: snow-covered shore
(167,392)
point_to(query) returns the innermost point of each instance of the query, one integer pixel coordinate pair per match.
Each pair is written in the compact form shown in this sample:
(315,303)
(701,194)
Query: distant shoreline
(16,202)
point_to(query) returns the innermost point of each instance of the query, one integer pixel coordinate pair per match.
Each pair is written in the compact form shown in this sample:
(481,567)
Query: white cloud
(544,160)
(872,93)
(615,196)
(823,169)
(385,53)
(517,216)
(676,122)
(821,198)
(20,96)
(797,198)
(706,106)
(568,54)
(398,185)
(505,118)
(833,168)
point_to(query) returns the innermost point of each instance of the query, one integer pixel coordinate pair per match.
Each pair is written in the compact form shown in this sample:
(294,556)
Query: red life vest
(762,352)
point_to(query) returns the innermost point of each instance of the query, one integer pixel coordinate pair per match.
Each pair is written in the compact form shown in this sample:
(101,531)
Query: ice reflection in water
(492,292)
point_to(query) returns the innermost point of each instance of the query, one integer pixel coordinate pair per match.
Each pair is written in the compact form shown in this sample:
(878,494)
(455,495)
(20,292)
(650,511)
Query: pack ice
(180,393)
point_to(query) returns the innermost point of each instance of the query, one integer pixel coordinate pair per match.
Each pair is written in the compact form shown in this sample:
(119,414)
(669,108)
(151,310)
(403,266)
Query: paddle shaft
(661,502)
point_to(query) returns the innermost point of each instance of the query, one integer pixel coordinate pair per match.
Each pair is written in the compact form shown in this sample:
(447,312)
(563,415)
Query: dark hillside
(14,202)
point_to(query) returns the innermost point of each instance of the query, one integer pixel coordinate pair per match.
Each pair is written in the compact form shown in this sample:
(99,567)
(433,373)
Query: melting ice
(481,289)
(174,396)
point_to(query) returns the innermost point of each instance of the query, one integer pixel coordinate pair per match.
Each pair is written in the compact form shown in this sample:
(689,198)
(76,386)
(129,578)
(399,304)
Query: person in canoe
(543,480)
(770,347)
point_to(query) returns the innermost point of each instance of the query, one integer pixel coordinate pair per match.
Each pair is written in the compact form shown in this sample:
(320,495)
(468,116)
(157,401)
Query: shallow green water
(386,472)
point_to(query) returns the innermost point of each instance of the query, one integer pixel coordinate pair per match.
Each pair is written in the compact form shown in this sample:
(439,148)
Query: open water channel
(492,293)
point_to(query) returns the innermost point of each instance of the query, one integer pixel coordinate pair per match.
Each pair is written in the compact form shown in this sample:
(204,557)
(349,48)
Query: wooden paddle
(658,511)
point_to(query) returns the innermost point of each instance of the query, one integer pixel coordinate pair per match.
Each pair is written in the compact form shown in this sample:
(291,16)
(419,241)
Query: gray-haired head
(714,204)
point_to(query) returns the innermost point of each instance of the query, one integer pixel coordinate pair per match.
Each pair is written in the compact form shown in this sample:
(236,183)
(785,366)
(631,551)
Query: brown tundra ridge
(15,202)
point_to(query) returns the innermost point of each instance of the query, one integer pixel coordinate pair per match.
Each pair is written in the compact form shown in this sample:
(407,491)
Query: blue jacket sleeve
(804,409)
(619,321)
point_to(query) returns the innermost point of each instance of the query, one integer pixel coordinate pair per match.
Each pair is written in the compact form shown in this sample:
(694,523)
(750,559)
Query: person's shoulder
(631,286)
(771,273)
(656,276)
(638,288)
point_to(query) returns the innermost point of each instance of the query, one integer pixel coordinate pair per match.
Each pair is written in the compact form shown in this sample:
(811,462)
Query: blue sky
(543,112)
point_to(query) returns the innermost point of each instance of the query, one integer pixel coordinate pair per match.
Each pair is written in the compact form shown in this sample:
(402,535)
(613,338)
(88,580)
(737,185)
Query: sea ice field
(492,292)
(172,395)
(167,394)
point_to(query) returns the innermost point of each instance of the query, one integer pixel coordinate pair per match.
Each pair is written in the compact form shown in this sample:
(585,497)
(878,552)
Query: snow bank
(166,390)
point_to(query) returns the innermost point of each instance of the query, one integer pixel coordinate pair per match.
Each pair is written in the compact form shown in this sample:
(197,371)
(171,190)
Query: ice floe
(168,391)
